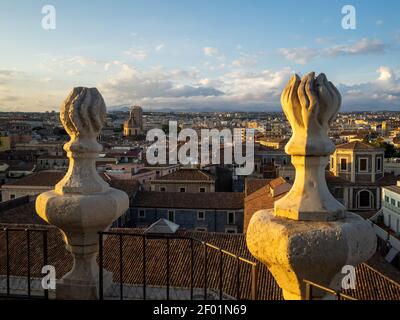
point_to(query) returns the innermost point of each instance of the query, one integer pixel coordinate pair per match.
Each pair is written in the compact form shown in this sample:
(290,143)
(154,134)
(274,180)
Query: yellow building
(5,142)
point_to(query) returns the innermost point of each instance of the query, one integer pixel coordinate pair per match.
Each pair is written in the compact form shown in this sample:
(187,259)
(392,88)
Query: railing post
(121,269)
(205,271)
(220,274)
(45,259)
(28,247)
(308,291)
(237,278)
(144,267)
(191,268)
(7,261)
(254,276)
(101,266)
(168,269)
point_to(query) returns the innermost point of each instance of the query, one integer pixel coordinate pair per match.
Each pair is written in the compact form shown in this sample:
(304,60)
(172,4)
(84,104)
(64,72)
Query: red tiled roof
(186,200)
(23,214)
(357,145)
(373,282)
(252,185)
(187,175)
(52,177)
(39,179)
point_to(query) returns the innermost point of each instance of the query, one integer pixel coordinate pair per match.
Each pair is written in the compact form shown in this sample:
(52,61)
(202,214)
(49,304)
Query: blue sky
(221,54)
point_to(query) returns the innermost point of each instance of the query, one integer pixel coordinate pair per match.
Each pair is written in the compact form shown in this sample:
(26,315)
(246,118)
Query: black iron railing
(206,248)
(8,267)
(337,294)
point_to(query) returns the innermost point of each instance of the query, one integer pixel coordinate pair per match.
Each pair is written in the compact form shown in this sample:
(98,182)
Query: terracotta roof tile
(357,145)
(371,284)
(209,200)
(188,175)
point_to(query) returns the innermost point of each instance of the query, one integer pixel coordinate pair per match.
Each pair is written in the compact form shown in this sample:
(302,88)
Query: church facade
(357,175)
(133,126)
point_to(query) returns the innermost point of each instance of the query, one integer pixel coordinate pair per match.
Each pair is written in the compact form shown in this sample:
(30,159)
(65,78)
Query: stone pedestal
(309,199)
(317,251)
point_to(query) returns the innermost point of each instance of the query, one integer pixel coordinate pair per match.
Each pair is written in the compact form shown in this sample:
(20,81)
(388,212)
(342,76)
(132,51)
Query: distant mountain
(119,108)
(236,108)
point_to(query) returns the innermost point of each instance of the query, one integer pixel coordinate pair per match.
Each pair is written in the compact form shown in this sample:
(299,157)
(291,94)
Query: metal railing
(206,248)
(28,235)
(337,294)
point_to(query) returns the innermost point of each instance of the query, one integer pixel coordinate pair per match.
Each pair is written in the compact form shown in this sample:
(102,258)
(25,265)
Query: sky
(197,55)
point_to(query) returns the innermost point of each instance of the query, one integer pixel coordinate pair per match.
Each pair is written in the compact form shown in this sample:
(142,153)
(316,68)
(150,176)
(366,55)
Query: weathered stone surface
(82,204)
(309,235)
(317,251)
(309,199)
(310,104)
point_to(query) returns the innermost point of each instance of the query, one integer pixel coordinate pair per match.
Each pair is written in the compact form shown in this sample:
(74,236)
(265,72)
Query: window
(398,204)
(387,199)
(231,218)
(12,196)
(230,230)
(379,164)
(162,189)
(171,216)
(363,165)
(343,164)
(392,202)
(142,214)
(182,189)
(202,189)
(364,199)
(201,215)
(201,229)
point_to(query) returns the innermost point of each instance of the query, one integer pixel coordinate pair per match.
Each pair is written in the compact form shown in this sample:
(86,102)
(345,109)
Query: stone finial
(309,235)
(83,115)
(82,203)
(310,105)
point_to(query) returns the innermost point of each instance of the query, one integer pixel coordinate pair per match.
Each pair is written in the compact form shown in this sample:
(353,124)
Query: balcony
(184,266)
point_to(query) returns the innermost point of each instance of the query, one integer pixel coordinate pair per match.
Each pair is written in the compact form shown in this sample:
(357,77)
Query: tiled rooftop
(357,145)
(187,175)
(211,200)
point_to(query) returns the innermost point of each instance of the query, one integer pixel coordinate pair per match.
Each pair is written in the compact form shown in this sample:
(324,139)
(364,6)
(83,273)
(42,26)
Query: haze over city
(197,56)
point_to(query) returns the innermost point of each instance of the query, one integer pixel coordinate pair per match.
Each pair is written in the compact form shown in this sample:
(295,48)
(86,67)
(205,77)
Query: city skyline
(225,56)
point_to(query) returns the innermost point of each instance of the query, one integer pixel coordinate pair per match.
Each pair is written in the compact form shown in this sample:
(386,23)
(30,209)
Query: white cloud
(136,53)
(304,55)
(131,84)
(385,74)
(364,46)
(245,61)
(160,47)
(210,51)
(379,22)
(301,55)
(162,88)
(383,93)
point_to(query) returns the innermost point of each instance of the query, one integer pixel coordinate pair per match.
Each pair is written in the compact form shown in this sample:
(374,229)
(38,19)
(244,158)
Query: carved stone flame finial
(310,105)
(83,115)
